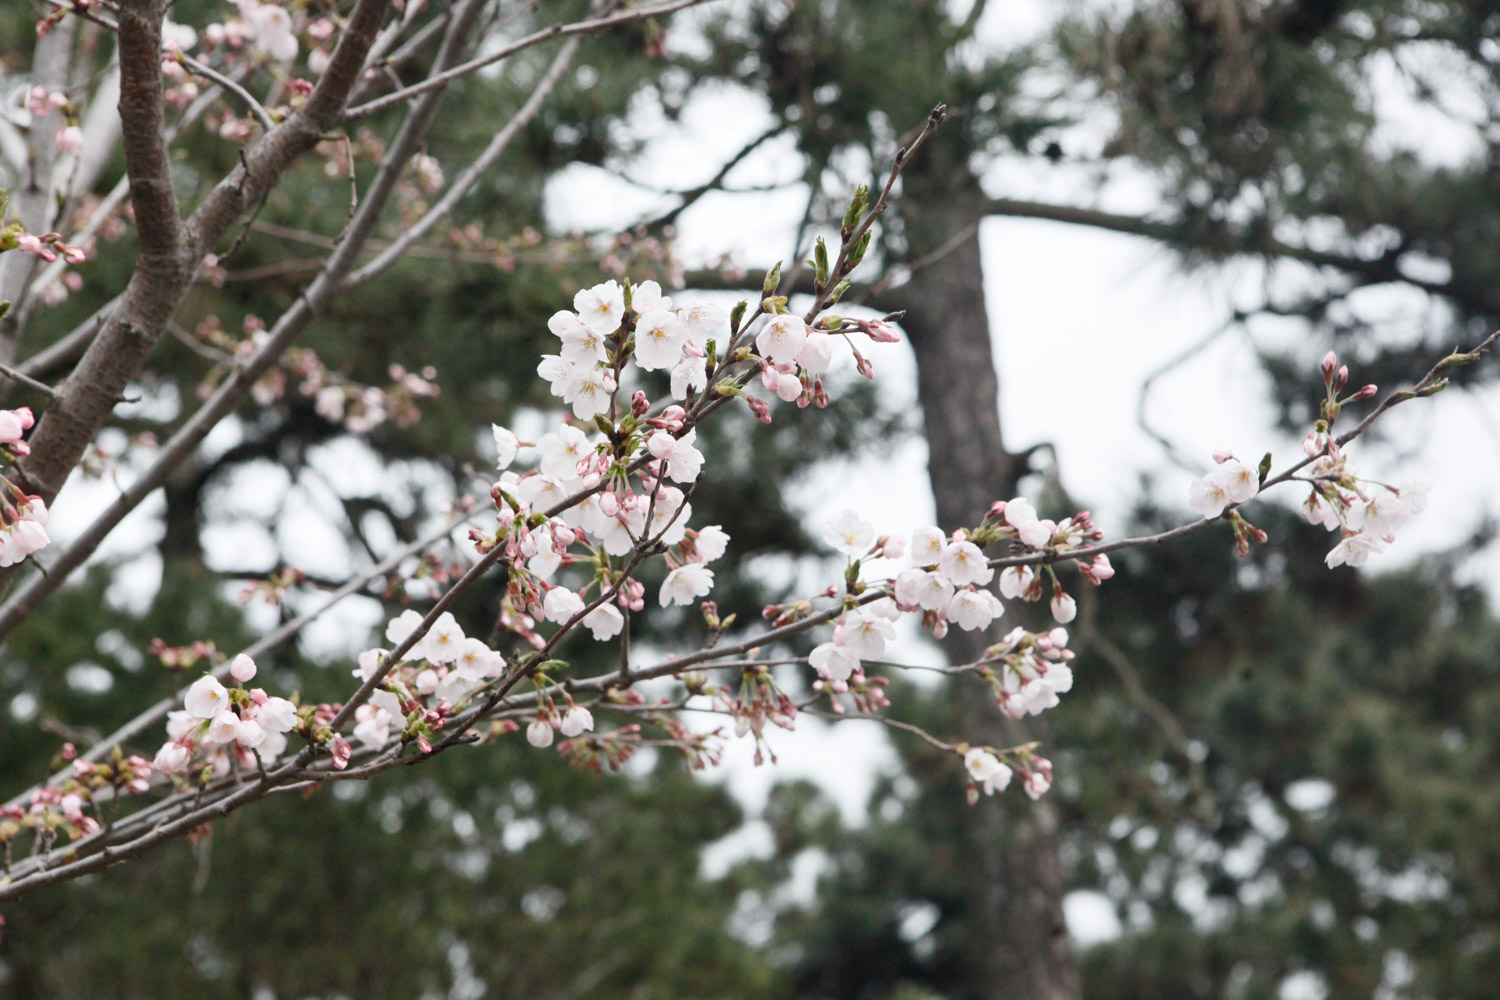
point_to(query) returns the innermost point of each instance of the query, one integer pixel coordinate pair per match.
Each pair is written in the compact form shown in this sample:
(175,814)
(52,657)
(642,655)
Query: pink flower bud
(609,506)
(1367,392)
(341,750)
(70,141)
(1330,363)
(242,668)
(759,408)
(539,733)
(639,404)
(879,331)
(1223,455)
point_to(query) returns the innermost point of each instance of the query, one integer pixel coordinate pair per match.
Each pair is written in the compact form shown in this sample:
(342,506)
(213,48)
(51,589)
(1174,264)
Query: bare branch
(546,35)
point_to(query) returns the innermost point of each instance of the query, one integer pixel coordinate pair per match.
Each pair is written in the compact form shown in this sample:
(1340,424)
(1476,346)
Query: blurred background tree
(1289,775)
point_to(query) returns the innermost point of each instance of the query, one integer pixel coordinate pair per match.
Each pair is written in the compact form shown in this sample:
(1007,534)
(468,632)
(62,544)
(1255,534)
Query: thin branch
(546,35)
(471,175)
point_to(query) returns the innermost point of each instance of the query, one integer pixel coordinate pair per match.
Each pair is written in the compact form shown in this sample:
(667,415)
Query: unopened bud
(1330,363)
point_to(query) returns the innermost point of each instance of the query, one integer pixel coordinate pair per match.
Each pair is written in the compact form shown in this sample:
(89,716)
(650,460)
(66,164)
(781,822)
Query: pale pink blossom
(224,728)
(605,621)
(506,447)
(1209,495)
(927,546)
(987,771)
(964,563)
(562,450)
(206,698)
(659,338)
(172,758)
(864,635)
(250,734)
(1354,550)
(703,322)
(971,610)
(710,543)
(838,662)
(686,583)
(539,733)
(850,534)
(601,307)
(271,27)
(781,338)
(647,297)
(242,668)
(815,356)
(1014,581)
(400,628)
(276,715)
(575,721)
(1064,608)
(15,423)
(588,392)
(581,343)
(560,605)
(690,373)
(443,641)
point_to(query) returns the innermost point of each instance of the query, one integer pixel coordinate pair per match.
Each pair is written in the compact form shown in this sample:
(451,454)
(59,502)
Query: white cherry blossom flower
(539,733)
(987,771)
(605,622)
(206,698)
(561,604)
(581,343)
(838,662)
(964,563)
(781,338)
(507,445)
(601,307)
(705,321)
(562,450)
(577,719)
(927,546)
(659,337)
(686,583)
(850,534)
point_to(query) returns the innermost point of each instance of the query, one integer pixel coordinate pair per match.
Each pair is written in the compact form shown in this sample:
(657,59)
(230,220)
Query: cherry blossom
(963,563)
(561,605)
(602,307)
(206,698)
(507,446)
(781,338)
(849,534)
(575,721)
(686,583)
(242,668)
(539,733)
(605,622)
(659,336)
(581,343)
(987,771)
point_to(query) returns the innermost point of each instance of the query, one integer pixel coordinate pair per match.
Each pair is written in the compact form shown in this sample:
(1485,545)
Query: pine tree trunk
(1020,949)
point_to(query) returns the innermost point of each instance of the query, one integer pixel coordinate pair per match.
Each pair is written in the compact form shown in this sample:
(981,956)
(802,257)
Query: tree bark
(1014,908)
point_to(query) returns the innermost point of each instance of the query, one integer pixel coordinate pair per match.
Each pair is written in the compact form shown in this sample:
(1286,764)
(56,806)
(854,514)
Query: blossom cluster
(71,807)
(23,517)
(220,728)
(1366,513)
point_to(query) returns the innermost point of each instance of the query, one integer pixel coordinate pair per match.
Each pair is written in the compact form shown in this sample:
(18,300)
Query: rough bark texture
(1015,906)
